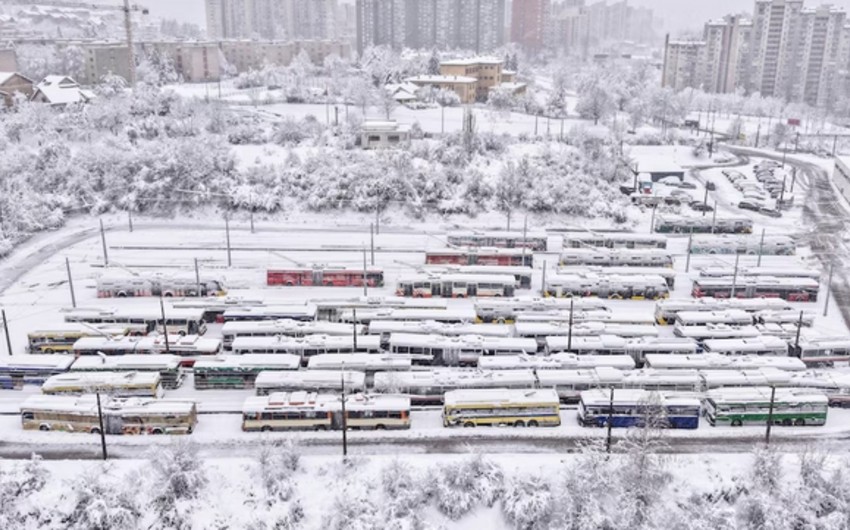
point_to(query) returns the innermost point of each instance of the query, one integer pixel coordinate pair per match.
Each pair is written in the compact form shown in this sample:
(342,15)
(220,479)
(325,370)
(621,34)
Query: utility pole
(714,217)
(652,220)
(543,285)
(690,244)
(705,202)
(164,325)
(377,219)
(570,329)
(761,247)
(828,289)
(524,238)
(344,422)
(782,193)
(227,233)
(102,432)
(769,416)
(365,284)
(131,56)
(197,279)
(372,241)
(735,276)
(103,242)
(354,327)
(797,338)
(130,220)
(793,178)
(251,213)
(71,283)
(610,421)
(6,331)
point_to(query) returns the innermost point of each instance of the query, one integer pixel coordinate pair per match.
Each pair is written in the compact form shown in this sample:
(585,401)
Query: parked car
(766,165)
(749,205)
(700,206)
(770,212)
(687,185)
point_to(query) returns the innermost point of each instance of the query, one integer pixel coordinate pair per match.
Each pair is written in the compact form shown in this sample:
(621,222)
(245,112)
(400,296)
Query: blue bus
(19,370)
(637,408)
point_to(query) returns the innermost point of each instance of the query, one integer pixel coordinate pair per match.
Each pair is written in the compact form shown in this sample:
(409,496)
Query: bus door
(316,277)
(472,289)
(407,289)
(448,357)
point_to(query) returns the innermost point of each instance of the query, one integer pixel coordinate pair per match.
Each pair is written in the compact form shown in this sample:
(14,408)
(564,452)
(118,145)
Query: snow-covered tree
(177,480)
(434,63)
(595,104)
(102,503)
(459,488)
(528,502)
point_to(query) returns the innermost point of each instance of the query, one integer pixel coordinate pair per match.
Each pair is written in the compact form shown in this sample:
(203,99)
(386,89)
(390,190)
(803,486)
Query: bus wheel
(266,428)
(48,350)
(122,294)
(156,431)
(786,422)
(95,430)
(799,422)
(737,423)
(533,423)
(320,427)
(181,333)
(519,423)
(469,424)
(290,284)
(43,427)
(380,427)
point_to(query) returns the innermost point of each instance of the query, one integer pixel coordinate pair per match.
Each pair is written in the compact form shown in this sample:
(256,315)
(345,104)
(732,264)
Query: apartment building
(530,22)
(682,64)
(471,79)
(104,58)
(194,62)
(273,19)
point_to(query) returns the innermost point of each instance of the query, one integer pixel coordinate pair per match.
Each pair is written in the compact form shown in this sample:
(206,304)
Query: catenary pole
(197,279)
(71,283)
(610,421)
(164,325)
(769,416)
(6,332)
(761,247)
(828,289)
(103,243)
(102,431)
(227,235)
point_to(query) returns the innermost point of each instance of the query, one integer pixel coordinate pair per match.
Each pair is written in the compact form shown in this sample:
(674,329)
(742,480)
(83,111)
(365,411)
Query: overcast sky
(678,14)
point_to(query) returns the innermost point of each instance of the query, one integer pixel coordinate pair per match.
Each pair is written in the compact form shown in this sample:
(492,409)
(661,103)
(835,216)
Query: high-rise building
(529,22)
(272,19)
(726,47)
(574,27)
(682,64)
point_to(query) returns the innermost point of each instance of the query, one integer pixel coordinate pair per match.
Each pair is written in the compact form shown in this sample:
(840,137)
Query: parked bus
(666,311)
(167,366)
(570,383)
(637,408)
(239,371)
(500,407)
(737,244)
(384,328)
(284,328)
(559,361)
(331,309)
(213,308)
(112,346)
(326,277)
(764,345)
(752,406)
(702,225)
(540,330)
(791,289)
(269,382)
(19,370)
(536,241)
(426,387)
(836,386)
(731,317)
(612,287)
(717,361)
(189,347)
(522,275)
(120,416)
(667,380)
(304,312)
(593,271)
(369,363)
(787,316)
(590,318)
(455,285)
(744,378)
(598,345)
(282,411)
(480,256)
(116,384)
(306,347)
(506,310)
(613,240)
(447,316)
(820,351)
(464,350)
(123,284)
(640,347)
(60,339)
(748,272)
(178,321)
(616,257)
(716,331)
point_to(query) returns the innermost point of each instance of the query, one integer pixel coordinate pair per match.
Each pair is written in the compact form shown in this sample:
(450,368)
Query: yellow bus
(120,416)
(501,407)
(61,339)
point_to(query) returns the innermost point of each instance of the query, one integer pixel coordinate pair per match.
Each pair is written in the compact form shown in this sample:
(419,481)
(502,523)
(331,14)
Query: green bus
(239,371)
(751,406)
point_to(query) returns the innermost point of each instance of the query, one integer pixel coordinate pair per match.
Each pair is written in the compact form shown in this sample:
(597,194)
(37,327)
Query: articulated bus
(791,289)
(593,271)
(113,346)
(821,351)
(506,310)
(731,317)
(306,347)
(427,387)
(751,406)
(631,408)
(500,407)
(666,311)
(283,328)
(189,348)
(167,366)
(611,287)
(19,370)
(177,321)
(570,383)
(605,318)
(717,361)
(456,285)
(239,371)
(123,284)
(522,275)
(716,331)
(303,312)
(283,411)
(480,256)
(559,361)
(703,225)
(536,241)
(446,316)
(613,240)
(332,309)
(787,316)
(269,382)
(116,384)
(737,244)
(327,277)
(615,257)
(464,350)
(763,345)
(120,416)
(60,339)
(748,272)
(540,331)
(385,328)
(598,345)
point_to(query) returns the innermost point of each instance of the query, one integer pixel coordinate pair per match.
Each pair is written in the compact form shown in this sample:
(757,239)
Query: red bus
(480,256)
(331,277)
(791,289)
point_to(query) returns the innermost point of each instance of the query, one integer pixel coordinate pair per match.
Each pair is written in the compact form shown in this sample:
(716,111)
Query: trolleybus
(480,256)
(19,370)
(632,407)
(822,350)
(239,371)
(738,244)
(269,382)
(167,366)
(536,241)
(791,289)
(302,410)
(284,327)
(464,350)
(429,386)
(116,384)
(498,407)
(613,240)
(60,338)
(506,310)
(570,383)
(616,257)
(326,277)
(455,285)
(752,406)
(178,321)
(306,347)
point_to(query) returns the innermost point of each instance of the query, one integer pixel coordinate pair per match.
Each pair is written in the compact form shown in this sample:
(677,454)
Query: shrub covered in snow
(102,503)
(177,480)
(458,488)
(528,502)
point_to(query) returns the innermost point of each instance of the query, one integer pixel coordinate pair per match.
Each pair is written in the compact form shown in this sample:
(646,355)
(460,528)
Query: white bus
(507,310)
(464,350)
(667,273)
(120,416)
(559,361)
(666,311)
(283,327)
(752,406)
(303,312)
(121,284)
(613,287)
(716,331)
(501,407)
(787,316)
(599,345)
(116,384)
(167,366)
(60,338)
(743,244)
(595,317)
(790,289)
(744,378)
(522,275)
(665,224)
(456,285)
(747,272)
(269,382)
(306,347)
(668,380)
(239,371)
(113,346)
(384,328)
(639,348)
(19,370)
(535,241)
(360,362)
(570,383)
(178,321)
(429,386)
(732,317)
(188,347)
(818,350)
(835,385)
(764,345)
(716,361)
(330,309)
(616,257)
(613,240)
(448,316)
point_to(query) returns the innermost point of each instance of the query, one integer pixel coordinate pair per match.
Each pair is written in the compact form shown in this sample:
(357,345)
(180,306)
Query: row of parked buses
(770,245)
(619,287)
(616,257)
(122,283)
(702,225)
(667,311)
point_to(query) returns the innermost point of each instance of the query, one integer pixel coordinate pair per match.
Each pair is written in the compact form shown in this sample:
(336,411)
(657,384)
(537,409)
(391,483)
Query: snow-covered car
(770,212)
(700,206)
(749,205)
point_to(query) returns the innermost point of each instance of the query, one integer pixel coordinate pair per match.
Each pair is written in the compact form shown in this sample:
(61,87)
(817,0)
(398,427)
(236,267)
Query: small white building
(381,134)
(60,90)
